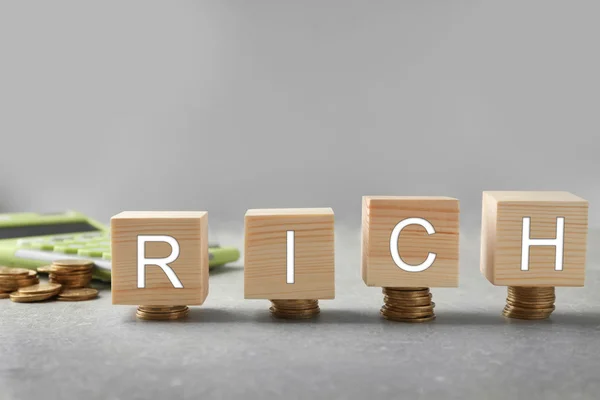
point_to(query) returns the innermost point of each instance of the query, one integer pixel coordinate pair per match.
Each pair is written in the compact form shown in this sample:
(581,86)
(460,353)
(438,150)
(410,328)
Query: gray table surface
(233,348)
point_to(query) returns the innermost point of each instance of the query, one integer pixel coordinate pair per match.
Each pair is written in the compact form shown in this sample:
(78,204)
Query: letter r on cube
(163,263)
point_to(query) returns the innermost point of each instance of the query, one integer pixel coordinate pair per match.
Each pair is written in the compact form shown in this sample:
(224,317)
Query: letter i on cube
(290,259)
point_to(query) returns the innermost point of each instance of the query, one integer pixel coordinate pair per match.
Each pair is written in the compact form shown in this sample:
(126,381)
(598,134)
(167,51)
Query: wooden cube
(283,265)
(146,269)
(513,224)
(398,250)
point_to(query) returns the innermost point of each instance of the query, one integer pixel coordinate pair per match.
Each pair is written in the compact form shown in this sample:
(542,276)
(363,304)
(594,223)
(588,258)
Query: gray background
(229,105)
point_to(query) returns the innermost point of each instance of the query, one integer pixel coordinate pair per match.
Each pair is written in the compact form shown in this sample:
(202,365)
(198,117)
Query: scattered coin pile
(161,313)
(294,309)
(12,279)
(529,302)
(407,305)
(69,281)
(70,274)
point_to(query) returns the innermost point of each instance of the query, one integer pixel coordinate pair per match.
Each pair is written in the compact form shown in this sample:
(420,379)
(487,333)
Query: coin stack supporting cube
(289,259)
(407,304)
(159,260)
(12,279)
(294,309)
(529,302)
(160,313)
(409,244)
(532,242)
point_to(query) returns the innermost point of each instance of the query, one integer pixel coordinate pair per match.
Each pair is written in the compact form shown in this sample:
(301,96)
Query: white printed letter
(163,263)
(559,242)
(394,244)
(290,256)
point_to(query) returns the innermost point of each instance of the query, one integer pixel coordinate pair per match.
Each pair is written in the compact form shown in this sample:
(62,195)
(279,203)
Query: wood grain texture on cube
(189,229)
(265,254)
(502,233)
(380,214)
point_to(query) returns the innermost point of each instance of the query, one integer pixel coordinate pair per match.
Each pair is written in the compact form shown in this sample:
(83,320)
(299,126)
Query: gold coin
(295,309)
(70,276)
(7,286)
(73,263)
(171,313)
(527,312)
(531,301)
(71,284)
(402,317)
(296,304)
(41,288)
(27,282)
(70,270)
(404,303)
(70,273)
(19,297)
(77,299)
(161,317)
(525,317)
(29,278)
(405,289)
(542,306)
(71,279)
(428,307)
(413,320)
(78,294)
(161,309)
(294,315)
(12,272)
(46,269)
(407,295)
(524,299)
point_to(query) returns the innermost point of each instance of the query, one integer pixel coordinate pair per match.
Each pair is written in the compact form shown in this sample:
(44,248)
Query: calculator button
(58,240)
(25,242)
(63,238)
(92,235)
(91,245)
(91,252)
(42,246)
(67,248)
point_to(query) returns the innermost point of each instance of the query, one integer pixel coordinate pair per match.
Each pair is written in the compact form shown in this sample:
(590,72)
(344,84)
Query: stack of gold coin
(529,302)
(71,274)
(39,292)
(295,309)
(80,294)
(12,279)
(161,313)
(407,305)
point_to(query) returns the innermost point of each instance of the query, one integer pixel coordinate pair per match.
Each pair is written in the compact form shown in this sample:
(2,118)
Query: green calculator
(30,240)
